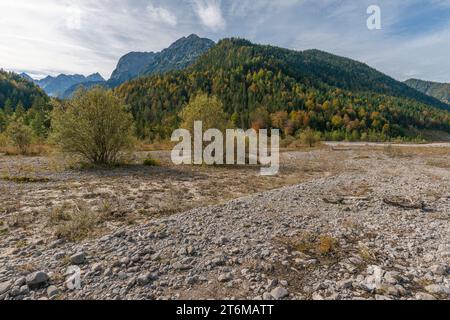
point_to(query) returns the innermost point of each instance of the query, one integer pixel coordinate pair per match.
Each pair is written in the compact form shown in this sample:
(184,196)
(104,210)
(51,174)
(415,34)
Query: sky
(49,37)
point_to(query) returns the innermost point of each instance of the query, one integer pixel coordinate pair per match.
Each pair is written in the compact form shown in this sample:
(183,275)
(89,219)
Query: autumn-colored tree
(20,135)
(94,125)
(309,137)
(205,108)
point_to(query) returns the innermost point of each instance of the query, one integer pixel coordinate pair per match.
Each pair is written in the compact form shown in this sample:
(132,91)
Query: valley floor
(341,222)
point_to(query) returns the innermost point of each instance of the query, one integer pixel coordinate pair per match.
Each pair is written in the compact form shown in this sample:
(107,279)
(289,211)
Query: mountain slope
(264,86)
(437,90)
(14,90)
(178,56)
(131,66)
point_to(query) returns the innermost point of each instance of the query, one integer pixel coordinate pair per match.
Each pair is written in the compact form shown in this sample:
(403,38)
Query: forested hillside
(15,90)
(264,86)
(23,101)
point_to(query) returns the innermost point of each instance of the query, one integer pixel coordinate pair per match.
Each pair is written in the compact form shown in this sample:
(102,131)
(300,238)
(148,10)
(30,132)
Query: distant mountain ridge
(57,86)
(437,90)
(179,55)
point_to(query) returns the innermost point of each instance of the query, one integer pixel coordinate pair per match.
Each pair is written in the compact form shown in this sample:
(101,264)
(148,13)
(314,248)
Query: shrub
(20,135)
(149,162)
(73,224)
(3,140)
(309,137)
(94,125)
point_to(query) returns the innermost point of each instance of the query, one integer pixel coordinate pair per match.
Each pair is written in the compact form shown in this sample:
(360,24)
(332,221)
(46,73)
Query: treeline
(262,87)
(258,87)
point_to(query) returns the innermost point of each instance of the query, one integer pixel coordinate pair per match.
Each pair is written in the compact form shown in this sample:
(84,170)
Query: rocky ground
(379,228)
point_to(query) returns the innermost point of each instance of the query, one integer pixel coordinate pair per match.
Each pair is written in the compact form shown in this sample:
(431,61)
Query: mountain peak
(95,77)
(193,36)
(26,76)
(179,55)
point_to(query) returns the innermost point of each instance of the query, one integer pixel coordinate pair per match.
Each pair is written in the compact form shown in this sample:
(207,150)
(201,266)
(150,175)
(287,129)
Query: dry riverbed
(338,222)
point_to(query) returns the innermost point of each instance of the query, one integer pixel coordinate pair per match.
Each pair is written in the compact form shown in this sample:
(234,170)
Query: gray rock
(424,296)
(391,277)
(267,296)
(37,279)
(225,277)
(78,258)
(122,275)
(14,292)
(279,293)
(272,283)
(20,282)
(5,286)
(24,290)
(437,289)
(59,255)
(52,291)
(146,278)
(439,270)
(344,284)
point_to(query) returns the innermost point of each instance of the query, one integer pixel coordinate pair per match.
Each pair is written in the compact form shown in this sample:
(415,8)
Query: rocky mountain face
(437,90)
(178,56)
(131,66)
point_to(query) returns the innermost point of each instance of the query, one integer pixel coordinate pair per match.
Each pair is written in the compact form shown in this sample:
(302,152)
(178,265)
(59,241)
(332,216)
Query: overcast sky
(86,36)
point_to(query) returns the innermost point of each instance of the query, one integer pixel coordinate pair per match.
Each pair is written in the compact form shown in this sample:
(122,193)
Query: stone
(78,258)
(225,277)
(279,293)
(59,255)
(97,267)
(146,278)
(20,282)
(52,291)
(5,286)
(316,296)
(222,240)
(437,289)
(267,296)
(122,275)
(391,277)
(272,283)
(440,270)
(424,296)
(192,280)
(14,292)
(37,279)
(344,284)
(24,290)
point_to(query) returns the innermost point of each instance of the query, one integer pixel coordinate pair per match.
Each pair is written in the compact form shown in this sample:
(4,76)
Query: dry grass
(25,179)
(32,151)
(73,224)
(439,163)
(156,146)
(396,152)
(316,246)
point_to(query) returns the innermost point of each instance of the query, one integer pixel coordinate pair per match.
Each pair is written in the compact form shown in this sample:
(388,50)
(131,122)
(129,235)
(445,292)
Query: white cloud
(159,14)
(210,14)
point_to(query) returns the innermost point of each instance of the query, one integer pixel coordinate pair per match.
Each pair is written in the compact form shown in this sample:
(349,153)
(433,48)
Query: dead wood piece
(405,203)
